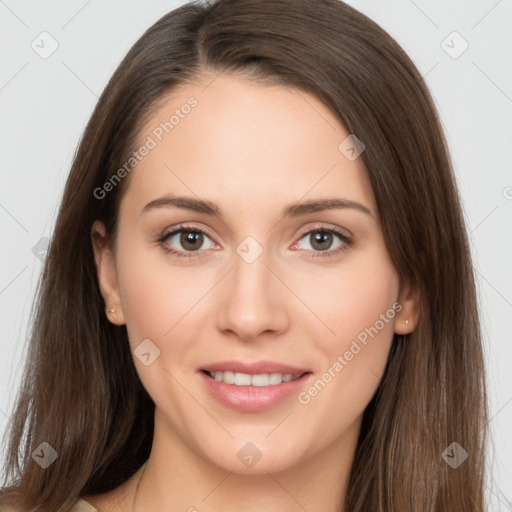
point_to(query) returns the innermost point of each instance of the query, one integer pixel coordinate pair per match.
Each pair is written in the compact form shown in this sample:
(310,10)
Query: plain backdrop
(462,48)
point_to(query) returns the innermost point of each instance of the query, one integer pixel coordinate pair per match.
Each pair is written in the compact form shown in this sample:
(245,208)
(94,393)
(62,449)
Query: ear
(106,271)
(406,319)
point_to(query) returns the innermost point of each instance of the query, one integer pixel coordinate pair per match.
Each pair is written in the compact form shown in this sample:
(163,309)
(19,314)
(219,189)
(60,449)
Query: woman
(259,291)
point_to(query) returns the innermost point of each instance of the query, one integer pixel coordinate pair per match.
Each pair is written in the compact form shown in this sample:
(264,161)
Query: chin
(252,456)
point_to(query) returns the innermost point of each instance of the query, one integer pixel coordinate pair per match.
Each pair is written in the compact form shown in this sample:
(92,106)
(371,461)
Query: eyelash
(347,241)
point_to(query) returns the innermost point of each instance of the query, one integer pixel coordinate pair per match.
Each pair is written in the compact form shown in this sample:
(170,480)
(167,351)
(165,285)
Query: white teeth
(260,380)
(228,377)
(244,379)
(276,378)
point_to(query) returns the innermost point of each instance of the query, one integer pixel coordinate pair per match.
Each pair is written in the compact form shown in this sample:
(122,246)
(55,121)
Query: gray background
(46,103)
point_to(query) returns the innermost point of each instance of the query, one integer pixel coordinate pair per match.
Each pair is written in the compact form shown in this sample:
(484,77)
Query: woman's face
(290,275)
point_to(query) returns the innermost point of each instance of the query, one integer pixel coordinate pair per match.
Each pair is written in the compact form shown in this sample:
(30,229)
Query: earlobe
(407,318)
(106,272)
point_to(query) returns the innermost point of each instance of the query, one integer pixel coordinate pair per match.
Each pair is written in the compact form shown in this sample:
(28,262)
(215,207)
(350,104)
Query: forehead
(226,137)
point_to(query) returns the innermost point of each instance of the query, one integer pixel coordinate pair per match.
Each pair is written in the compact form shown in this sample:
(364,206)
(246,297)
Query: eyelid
(327,227)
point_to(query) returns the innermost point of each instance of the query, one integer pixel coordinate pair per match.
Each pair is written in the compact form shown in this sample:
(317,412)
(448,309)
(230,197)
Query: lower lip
(252,398)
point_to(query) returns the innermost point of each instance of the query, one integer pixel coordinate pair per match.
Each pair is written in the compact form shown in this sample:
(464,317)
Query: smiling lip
(255,368)
(252,398)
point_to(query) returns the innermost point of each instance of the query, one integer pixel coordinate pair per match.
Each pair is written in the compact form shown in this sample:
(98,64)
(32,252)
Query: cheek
(369,295)
(348,299)
(368,323)
(158,305)
(160,302)
(359,306)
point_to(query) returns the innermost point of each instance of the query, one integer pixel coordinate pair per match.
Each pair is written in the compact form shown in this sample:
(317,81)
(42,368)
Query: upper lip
(254,368)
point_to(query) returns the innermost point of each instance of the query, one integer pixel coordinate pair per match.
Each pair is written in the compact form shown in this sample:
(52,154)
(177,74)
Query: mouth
(253,387)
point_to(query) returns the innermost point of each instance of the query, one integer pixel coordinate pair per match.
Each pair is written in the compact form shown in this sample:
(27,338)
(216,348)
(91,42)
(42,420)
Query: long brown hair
(80,392)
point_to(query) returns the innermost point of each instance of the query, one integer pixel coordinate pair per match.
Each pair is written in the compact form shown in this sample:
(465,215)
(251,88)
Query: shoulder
(80,506)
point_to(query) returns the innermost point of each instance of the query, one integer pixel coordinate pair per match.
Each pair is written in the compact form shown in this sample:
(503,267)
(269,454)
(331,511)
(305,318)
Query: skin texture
(251,149)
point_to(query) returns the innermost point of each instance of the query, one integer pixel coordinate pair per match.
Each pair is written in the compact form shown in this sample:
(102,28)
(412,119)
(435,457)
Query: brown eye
(191,240)
(321,240)
(324,241)
(185,241)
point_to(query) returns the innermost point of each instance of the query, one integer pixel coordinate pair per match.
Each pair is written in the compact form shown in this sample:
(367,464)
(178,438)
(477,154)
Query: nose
(253,302)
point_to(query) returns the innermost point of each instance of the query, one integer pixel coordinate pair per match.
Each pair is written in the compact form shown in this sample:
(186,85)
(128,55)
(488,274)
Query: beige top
(81,506)
(84,506)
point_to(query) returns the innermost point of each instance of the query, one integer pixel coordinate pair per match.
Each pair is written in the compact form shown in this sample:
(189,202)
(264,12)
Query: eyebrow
(292,210)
